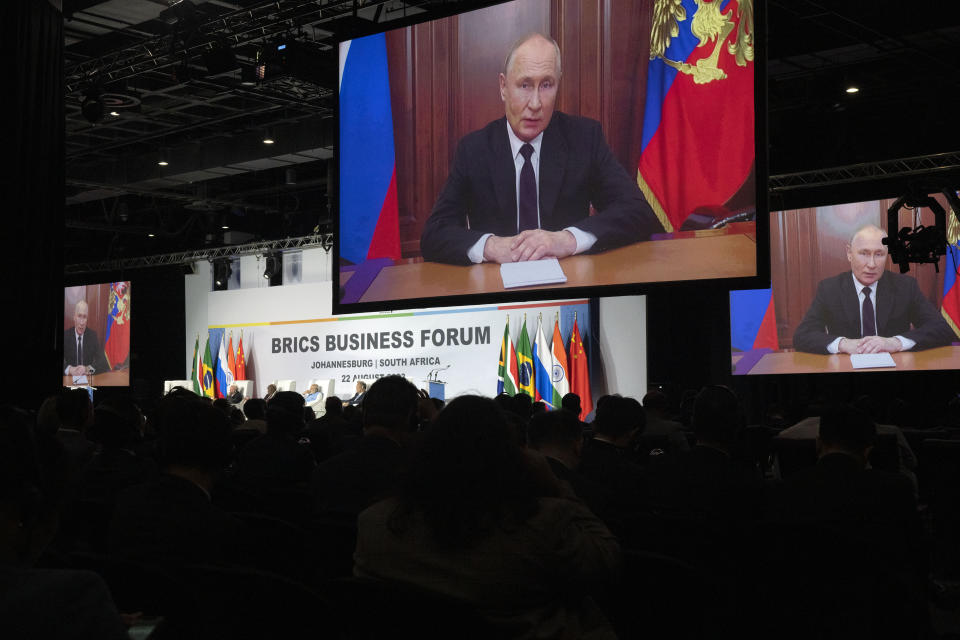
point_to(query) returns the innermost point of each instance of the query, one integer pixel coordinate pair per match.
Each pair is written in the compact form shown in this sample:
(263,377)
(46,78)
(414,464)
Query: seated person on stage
(870,310)
(313,393)
(521,188)
(234,395)
(358,396)
(81,346)
(271,391)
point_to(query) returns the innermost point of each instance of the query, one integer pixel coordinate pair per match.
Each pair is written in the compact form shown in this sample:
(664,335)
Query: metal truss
(916,166)
(324,240)
(258,22)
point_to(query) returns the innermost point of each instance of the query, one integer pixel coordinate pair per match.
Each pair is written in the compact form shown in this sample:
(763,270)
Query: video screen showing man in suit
(82,351)
(870,309)
(521,188)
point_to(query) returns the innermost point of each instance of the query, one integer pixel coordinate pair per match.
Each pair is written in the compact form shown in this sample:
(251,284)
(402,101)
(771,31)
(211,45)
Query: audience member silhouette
(277,459)
(608,457)
(353,480)
(330,433)
(482,521)
(42,603)
(75,413)
(171,520)
(558,436)
(708,482)
(661,431)
(255,409)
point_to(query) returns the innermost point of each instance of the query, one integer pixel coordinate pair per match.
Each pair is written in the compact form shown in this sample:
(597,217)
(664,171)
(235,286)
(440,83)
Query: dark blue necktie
(79,349)
(869,323)
(528,192)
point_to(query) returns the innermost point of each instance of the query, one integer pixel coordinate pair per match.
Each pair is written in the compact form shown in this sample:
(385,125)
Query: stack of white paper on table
(531,273)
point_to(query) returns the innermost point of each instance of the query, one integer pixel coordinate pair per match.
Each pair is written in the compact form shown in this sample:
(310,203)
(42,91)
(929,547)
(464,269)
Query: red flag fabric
(231,364)
(117,343)
(241,373)
(697,149)
(580,372)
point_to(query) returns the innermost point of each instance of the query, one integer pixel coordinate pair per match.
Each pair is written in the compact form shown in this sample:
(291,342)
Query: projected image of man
(81,346)
(870,309)
(522,187)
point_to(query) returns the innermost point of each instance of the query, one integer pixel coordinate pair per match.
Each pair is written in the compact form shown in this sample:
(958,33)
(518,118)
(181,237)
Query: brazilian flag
(193,374)
(525,362)
(207,371)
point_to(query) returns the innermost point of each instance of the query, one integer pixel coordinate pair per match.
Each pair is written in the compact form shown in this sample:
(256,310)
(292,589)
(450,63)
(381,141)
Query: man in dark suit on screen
(521,188)
(81,346)
(870,309)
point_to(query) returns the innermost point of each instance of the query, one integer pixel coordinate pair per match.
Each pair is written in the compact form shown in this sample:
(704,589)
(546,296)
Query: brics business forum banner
(463,344)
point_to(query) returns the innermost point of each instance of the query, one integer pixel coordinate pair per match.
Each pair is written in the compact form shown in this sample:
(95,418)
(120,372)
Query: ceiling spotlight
(221,274)
(114,114)
(151,235)
(272,268)
(224,226)
(163,163)
(853,89)
(268,140)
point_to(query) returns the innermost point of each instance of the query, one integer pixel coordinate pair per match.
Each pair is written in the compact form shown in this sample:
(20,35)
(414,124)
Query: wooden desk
(119,378)
(709,255)
(797,362)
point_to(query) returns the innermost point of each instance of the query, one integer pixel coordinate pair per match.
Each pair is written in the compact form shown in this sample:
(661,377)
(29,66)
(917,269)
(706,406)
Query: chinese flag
(580,372)
(241,372)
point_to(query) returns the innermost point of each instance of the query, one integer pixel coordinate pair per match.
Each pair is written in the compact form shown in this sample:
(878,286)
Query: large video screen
(96,335)
(817,316)
(530,149)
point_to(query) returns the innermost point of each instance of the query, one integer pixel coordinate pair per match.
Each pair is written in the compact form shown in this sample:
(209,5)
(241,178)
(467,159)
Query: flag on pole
(241,361)
(195,374)
(697,148)
(580,372)
(207,375)
(561,382)
(525,373)
(753,324)
(507,373)
(368,178)
(116,345)
(950,306)
(223,375)
(231,363)
(543,368)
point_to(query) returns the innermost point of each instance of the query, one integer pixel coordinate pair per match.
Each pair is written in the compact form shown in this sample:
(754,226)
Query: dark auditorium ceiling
(178,76)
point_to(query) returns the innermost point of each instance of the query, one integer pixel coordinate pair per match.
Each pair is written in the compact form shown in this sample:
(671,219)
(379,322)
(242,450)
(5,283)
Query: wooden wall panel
(444,84)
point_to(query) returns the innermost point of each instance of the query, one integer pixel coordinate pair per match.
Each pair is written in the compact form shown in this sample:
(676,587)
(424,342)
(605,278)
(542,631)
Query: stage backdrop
(461,343)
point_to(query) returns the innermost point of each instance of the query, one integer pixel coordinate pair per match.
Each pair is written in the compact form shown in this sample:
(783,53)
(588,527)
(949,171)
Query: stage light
(267,140)
(151,235)
(853,89)
(114,114)
(163,163)
(271,269)
(221,274)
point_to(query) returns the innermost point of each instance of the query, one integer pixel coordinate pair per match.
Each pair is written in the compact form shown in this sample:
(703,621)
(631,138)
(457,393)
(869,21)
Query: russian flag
(950,306)
(697,148)
(369,218)
(753,324)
